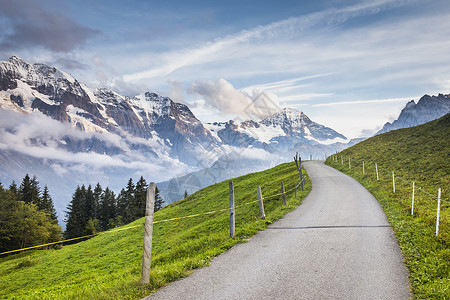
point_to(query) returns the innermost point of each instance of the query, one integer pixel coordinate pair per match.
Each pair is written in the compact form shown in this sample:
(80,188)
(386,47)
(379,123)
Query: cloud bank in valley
(40,136)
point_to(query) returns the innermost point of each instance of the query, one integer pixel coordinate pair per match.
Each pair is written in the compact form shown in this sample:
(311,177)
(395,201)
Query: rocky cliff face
(427,109)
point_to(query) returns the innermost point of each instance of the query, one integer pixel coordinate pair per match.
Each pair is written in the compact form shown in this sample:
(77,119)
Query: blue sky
(350,65)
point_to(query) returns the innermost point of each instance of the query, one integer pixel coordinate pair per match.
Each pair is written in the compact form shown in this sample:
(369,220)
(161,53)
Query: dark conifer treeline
(27,216)
(96,209)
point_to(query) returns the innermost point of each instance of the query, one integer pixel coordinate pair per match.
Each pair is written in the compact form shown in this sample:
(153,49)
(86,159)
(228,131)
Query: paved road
(336,245)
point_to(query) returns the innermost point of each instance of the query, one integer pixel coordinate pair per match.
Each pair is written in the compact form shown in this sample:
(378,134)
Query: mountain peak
(428,108)
(14,58)
(292,113)
(287,117)
(291,110)
(411,105)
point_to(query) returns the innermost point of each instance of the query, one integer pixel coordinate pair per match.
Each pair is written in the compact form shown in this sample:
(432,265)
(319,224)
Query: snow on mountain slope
(282,130)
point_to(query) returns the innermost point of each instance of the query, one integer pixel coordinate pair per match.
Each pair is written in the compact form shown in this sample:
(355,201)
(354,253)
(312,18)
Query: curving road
(336,245)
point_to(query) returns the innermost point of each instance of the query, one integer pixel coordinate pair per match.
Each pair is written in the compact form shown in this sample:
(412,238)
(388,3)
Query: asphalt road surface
(336,245)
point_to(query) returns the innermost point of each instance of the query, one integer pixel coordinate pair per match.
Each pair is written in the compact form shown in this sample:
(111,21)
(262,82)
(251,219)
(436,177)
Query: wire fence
(392,176)
(296,185)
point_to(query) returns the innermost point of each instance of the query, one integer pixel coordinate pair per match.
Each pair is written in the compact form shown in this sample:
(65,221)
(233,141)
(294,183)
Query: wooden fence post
(363,169)
(232,212)
(298,163)
(412,204)
(438,211)
(349,164)
(376,169)
(284,193)
(393,181)
(148,233)
(261,203)
(342,160)
(301,173)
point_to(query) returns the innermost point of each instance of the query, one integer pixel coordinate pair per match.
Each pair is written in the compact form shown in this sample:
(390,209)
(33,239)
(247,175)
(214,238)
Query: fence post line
(438,210)
(284,193)
(261,203)
(363,169)
(148,234)
(393,181)
(412,204)
(376,169)
(298,163)
(232,212)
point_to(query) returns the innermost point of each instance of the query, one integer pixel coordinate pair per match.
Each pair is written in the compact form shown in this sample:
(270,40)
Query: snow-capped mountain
(173,129)
(55,127)
(427,109)
(281,131)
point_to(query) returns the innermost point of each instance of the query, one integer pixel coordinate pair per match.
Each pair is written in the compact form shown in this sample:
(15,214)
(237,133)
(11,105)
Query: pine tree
(186,194)
(46,204)
(97,195)
(122,204)
(107,209)
(29,190)
(35,191)
(159,202)
(129,199)
(140,198)
(89,204)
(75,218)
(14,189)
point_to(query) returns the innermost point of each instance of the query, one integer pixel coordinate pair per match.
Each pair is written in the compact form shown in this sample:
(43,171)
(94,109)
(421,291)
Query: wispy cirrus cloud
(174,60)
(372,101)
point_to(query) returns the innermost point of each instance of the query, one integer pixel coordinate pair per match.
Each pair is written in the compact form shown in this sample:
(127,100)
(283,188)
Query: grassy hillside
(422,155)
(108,265)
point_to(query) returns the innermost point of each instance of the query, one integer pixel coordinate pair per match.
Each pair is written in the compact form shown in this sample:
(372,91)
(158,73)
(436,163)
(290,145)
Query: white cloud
(221,95)
(225,99)
(41,137)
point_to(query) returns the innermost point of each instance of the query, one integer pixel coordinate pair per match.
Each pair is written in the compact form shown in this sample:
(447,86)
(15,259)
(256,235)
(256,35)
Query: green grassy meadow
(422,155)
(108,266)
